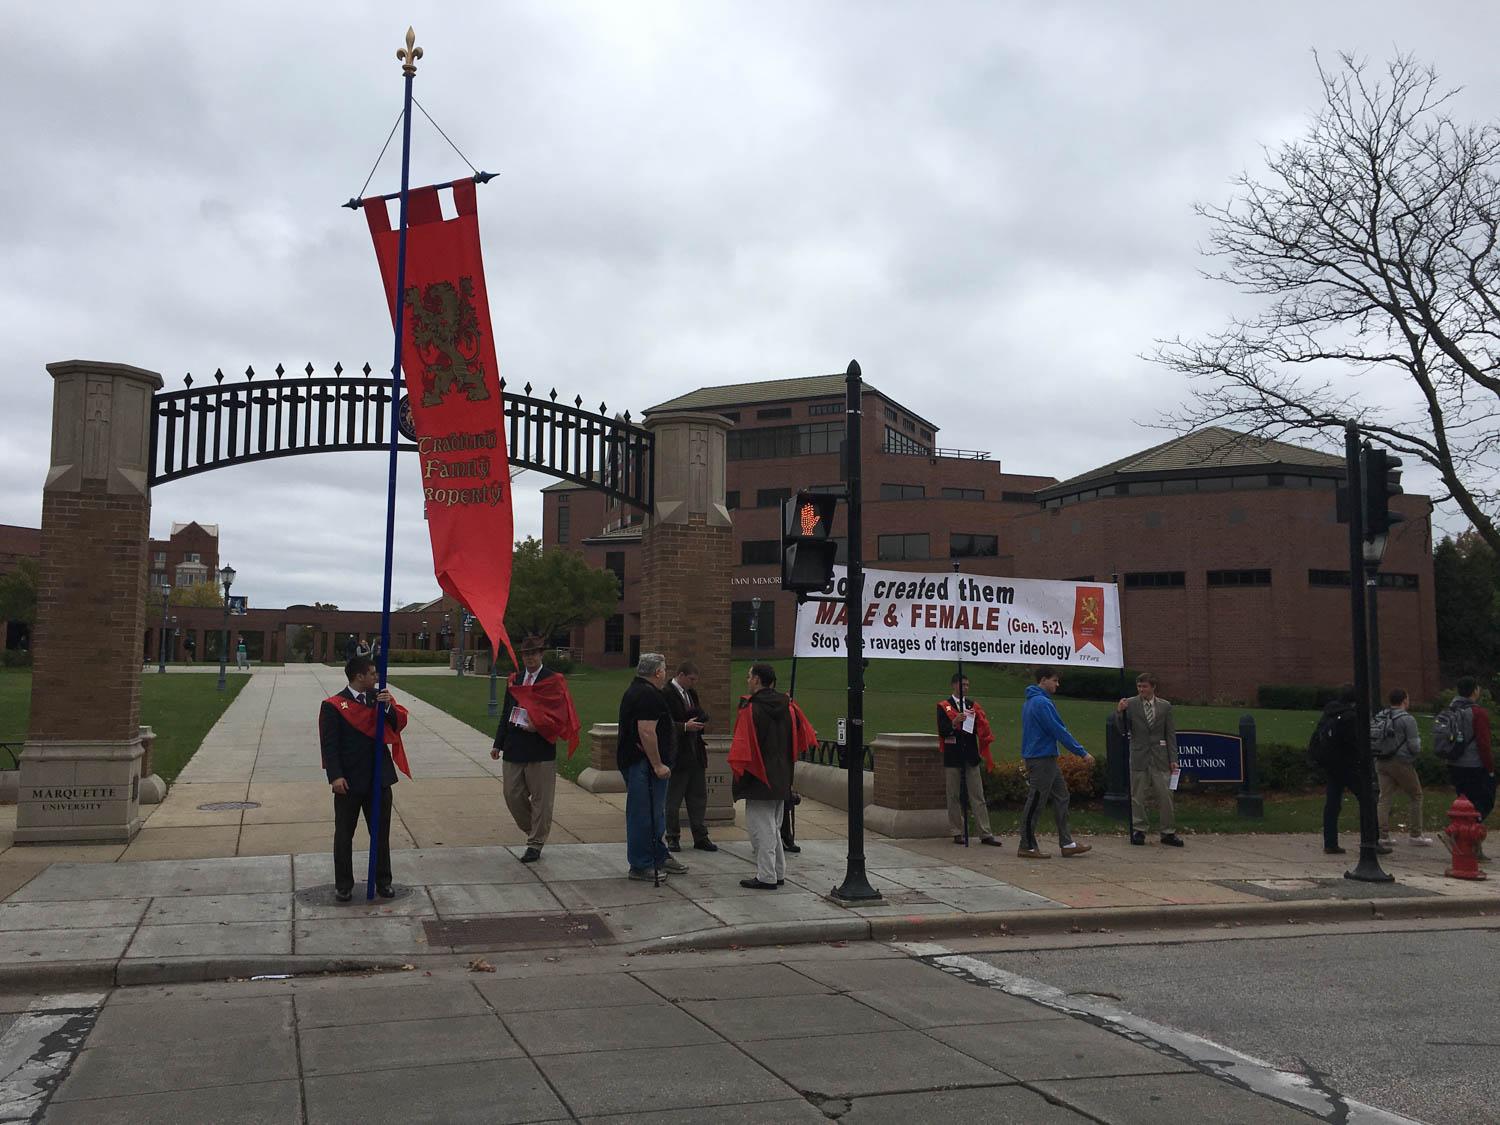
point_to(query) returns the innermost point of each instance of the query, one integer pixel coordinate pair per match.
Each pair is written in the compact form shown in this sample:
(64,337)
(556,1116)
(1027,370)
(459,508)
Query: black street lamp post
(755,628)
(226,576)
(464,619)
(494,708)
(161,638)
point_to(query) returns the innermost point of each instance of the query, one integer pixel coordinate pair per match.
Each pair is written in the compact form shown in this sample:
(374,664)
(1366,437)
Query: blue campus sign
(1210,756)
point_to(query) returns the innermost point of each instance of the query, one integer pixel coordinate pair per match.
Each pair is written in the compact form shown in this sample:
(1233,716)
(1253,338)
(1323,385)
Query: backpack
(1452,731)
(1385,737)
(1322,747)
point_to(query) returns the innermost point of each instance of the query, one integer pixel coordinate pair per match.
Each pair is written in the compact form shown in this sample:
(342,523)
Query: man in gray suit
(1146,719)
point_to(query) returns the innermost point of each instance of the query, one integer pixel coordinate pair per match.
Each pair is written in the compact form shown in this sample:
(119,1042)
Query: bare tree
(1373,243)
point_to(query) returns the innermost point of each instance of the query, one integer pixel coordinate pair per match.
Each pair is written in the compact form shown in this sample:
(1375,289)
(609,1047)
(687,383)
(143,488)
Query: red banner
(453,385)
(1088,618)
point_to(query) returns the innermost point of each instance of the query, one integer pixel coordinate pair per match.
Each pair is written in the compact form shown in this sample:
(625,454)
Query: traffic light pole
(1368,870)
(856,885)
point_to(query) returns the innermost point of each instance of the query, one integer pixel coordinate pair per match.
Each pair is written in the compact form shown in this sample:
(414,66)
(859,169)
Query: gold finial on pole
(409,54)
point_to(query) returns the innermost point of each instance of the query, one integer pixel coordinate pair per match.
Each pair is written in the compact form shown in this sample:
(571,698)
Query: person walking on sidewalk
(644,753)
(1146,720)
(242,656)
(1041,730)
(769,732)
(1397,742)
(538,711)
(965,737)
(346,730)
(1335,743)
(690,771)
(1472,766)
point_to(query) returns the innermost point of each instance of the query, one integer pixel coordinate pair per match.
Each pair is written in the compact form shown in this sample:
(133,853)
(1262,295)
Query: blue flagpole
(408,59)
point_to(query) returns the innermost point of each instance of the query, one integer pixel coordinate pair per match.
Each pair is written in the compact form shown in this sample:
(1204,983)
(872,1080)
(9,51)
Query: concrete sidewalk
(94,925)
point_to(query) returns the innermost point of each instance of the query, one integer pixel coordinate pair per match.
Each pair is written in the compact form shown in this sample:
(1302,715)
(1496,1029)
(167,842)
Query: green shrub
(15,658)
(1294,697)
(1005,785)
(1097,683)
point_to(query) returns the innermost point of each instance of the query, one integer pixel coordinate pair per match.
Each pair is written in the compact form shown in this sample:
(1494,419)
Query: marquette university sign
(913,616)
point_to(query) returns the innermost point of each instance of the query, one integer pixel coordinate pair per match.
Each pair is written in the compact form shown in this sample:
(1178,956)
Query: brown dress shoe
(1076,848)
(1032,853)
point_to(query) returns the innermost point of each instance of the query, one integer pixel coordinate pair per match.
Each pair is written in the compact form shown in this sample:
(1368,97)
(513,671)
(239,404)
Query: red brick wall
(86,677)
(678,601)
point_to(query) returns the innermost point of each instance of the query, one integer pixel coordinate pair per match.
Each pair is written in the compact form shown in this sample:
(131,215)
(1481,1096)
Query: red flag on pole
(453,385)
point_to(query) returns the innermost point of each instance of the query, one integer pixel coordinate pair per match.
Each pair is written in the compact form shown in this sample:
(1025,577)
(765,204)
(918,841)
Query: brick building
(1233,570)
(188,557)
(17,543)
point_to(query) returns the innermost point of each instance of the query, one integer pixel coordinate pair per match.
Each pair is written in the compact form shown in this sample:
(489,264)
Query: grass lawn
(181,709)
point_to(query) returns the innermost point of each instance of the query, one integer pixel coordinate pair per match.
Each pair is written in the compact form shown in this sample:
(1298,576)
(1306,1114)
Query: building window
(826,408)
(760,552)
(1239,577)
(192,556)
(614,633)
(771,497)
(784,441)
(926,435)
(1340,578)
(897,548)
(763,636)
(161,558)
(973,546)
(1155,580)
(732,499)
(614,562)
(911,427)
(902,491)
(564,524)
(562,499)
(963,494)
(1015,497)
(732,415)
(890,415)
(897,442)
(774,412)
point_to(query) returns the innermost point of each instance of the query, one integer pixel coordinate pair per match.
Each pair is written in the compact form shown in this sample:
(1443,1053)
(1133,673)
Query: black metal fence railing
(10,755)
(832,754)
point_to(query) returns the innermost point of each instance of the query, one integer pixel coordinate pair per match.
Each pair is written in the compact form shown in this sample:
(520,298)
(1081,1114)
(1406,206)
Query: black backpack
(1452,731)
(1323,746)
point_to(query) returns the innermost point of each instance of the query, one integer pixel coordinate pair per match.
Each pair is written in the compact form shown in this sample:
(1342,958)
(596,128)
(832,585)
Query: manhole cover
(323,895)
(228,806)
(1303,890)
(518,929)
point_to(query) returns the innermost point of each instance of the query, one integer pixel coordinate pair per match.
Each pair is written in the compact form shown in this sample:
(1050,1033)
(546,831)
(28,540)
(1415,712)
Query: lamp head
(226,575)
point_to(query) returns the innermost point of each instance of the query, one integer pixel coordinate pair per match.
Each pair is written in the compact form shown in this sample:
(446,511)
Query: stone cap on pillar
(101,426)
(688,466)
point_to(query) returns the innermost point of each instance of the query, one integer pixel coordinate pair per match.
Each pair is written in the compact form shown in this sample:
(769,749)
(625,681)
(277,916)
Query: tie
(1150,712)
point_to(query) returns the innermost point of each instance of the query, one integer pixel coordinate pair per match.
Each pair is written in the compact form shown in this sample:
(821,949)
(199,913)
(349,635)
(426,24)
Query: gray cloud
(988,204)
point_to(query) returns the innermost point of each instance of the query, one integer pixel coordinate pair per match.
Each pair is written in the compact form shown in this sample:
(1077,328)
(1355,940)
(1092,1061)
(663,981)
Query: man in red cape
(538,713)
(770,733)
(346,730)
(964,737)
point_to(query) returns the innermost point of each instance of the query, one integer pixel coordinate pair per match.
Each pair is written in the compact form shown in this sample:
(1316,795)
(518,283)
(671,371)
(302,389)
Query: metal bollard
(1250,803)
(1116,772)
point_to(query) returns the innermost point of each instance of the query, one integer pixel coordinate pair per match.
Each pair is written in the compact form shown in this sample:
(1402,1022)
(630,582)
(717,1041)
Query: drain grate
(496,931)
(228,806)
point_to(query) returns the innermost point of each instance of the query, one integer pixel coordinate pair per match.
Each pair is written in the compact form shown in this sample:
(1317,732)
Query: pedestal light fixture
(226,578)
(161,639)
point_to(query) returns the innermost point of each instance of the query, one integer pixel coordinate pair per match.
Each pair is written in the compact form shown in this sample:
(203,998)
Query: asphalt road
(1408,1020)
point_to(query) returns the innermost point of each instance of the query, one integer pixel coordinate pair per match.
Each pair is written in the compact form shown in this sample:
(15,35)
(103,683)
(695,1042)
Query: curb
(75,976)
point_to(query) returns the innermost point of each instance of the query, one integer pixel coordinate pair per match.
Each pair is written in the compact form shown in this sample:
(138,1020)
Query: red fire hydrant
(1466,832)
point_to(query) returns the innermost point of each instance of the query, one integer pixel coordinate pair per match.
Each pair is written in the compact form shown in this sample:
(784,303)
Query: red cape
(549,706)
(362,719)
(744,748)
(982,730)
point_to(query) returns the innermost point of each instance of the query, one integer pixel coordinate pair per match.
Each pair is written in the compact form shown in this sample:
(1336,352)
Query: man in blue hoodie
(1041,730)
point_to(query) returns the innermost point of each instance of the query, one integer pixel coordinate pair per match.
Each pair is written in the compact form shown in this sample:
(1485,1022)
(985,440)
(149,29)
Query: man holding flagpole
(538,712)
(346,729)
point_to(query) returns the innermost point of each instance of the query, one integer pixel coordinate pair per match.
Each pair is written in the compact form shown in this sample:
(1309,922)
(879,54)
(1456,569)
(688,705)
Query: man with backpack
(1335,747)
(1461,737)
(1396,742)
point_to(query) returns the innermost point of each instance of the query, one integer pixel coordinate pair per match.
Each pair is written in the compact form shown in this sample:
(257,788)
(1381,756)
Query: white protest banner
(937,616)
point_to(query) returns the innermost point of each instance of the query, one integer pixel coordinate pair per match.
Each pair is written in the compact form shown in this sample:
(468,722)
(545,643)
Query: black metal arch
(218,424)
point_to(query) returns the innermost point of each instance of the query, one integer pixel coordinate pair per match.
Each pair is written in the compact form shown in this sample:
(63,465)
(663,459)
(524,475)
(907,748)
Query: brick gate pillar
(80,769)
(687,549)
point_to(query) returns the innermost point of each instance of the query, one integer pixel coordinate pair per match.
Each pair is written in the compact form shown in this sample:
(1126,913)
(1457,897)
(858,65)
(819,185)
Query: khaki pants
(977,808)
(1398,777)
(1148,778)
(529,790)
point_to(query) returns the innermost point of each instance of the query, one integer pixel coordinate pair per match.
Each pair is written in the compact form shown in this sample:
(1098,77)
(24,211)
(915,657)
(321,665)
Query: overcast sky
(987,204)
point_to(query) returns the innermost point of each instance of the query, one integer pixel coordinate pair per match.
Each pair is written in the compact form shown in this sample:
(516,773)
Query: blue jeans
(645,814)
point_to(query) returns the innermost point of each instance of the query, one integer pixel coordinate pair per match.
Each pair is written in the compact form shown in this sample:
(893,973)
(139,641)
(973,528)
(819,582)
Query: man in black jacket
(349,762)
(529,772)
(1344,767)
(689,772)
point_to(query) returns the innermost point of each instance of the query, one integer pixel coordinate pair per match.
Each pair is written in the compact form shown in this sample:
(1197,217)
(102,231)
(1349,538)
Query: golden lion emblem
(445,330)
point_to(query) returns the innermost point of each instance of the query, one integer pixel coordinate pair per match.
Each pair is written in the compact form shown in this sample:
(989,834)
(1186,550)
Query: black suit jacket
(349,754)
(691,748)
(515,744)
(964,749)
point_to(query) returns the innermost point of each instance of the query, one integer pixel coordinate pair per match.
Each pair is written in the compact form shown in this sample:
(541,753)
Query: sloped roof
(1216,449)
(770,390)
